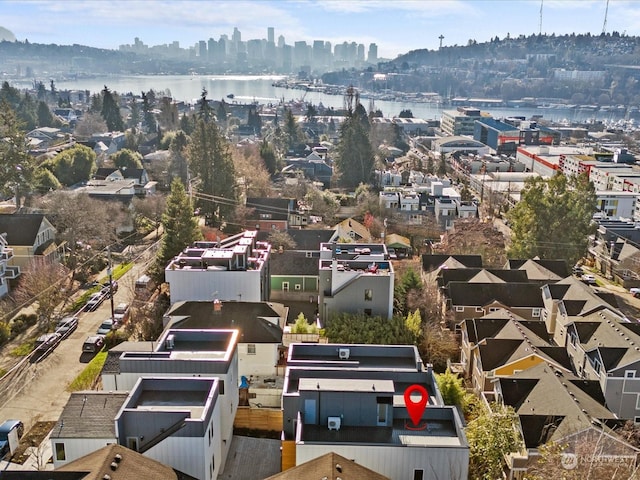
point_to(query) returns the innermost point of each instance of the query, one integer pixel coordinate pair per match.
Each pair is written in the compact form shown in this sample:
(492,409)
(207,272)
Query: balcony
(12,272)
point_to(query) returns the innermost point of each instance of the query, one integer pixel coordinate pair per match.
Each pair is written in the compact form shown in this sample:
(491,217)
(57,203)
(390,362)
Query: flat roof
(346,385)
(437,432)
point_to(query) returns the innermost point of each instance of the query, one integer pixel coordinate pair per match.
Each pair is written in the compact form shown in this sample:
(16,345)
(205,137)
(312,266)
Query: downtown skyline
(395,27)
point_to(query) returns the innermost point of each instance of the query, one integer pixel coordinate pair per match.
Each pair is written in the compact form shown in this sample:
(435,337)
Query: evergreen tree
(180,225)
(16,165)
(355,158)
(135,117)
(210,160)
(221,113)
(45,117)
(178,167)
(111,111)
(553,218)
(268,155)
(292,134)
(205,112)
(147,111)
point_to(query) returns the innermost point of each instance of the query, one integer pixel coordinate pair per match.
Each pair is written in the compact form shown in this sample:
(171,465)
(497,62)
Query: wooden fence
(269,419)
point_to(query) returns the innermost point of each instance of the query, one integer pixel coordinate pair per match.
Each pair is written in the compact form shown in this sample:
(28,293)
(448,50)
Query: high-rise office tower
(372,57)
(271,35)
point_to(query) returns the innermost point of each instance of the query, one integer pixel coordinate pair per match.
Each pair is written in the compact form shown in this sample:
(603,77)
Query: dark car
(106,290)
(45,344)
(66,326)
(93,344)
(5,429)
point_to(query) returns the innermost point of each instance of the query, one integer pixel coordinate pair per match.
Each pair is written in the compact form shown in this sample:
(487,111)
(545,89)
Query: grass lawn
(89,374)
(23,349)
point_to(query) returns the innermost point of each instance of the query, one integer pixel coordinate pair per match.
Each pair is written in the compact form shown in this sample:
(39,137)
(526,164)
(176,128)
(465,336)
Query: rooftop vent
(344,353)
(117,458)
(170,342)
(114,465)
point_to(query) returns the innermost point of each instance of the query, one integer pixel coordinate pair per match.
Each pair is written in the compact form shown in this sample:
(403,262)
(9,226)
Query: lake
(247,88)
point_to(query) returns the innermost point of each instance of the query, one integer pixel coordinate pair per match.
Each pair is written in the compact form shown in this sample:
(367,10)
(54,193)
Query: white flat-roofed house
(202,353)
(7,272)
(234,269)
(176,421)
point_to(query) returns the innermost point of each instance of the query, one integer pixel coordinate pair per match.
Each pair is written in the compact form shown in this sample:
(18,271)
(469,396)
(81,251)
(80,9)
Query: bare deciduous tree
(45,282)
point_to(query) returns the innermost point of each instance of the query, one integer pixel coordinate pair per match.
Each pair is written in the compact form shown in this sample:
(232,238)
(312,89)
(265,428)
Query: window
(309,254)
(297,286)
(479,309)
(368,295)
(459,309)
(418,474)
(60,453)
(251,349)
(636,419)
(285,286)
(535,312)
(629,373)
(221,386)
(132,443)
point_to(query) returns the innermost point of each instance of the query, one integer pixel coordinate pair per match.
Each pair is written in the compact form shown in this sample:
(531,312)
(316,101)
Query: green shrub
(5,332)
(114,337)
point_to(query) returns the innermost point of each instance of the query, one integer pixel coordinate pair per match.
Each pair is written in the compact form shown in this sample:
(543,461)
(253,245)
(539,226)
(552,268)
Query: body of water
(246,88)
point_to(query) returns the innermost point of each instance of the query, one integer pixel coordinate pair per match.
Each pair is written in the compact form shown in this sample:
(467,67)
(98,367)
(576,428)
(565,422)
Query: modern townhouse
(355,278)
(349,399)
(235,268)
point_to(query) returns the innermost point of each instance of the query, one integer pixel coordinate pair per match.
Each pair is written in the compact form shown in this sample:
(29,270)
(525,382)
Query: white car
(588,279)
(105,327)
(635,292)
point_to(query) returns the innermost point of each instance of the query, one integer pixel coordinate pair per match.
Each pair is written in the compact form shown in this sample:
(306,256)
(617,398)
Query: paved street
(40,392)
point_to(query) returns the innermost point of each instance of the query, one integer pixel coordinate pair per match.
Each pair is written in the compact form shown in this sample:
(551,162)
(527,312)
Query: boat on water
(231,95)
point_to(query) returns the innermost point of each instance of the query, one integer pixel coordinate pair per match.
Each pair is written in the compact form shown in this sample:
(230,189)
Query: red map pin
(416,409)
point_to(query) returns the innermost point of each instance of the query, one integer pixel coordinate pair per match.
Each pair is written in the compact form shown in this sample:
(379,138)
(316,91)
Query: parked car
(577,270)
(588,279)
(121,312)
(106,290)
(5,430)
(106,326)
(94,301)
(93,344)
(45,344)
(635,292)
(66,326)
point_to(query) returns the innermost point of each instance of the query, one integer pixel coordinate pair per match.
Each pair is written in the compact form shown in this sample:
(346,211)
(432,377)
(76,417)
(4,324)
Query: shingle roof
(329,466)
(541,269)
(21,229)
(89,414)
(508,294)
(295,263)
(481,275)
(247,317)
(431,262)
(130,465)
(552,403)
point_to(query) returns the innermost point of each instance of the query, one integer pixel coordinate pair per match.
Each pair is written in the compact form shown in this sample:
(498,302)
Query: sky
(396,26)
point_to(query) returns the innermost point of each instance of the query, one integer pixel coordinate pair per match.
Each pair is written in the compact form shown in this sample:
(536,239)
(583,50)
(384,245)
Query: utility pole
(441,37)
(110,273)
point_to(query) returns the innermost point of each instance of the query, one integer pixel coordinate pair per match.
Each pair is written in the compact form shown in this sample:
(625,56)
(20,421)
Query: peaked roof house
(510,346)
(259,325)
(603,346)
(128,464)
(330,466)
(7,272)
(541,271)
(29,235)
(523,299)
(350,230)
(275,213)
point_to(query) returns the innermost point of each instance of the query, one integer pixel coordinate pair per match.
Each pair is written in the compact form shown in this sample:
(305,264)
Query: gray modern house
(349,399)
(355,278)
